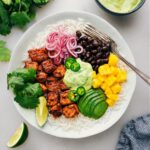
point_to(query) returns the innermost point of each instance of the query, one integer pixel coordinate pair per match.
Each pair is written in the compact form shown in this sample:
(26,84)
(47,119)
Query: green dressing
(83,77)
(121,6)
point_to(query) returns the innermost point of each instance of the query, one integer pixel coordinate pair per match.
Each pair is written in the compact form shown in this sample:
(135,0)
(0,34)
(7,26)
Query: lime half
(19,136)
(41,112)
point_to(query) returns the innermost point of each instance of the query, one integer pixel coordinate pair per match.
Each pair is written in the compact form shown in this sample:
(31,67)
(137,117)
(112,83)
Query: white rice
(81,122)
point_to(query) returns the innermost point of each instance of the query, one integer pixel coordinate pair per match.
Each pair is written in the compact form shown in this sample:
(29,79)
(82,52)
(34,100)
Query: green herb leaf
(4,52)
(28,97)
(19,19)
(15,83)
(28,75)
(40,2)
(7,2)
(4,20)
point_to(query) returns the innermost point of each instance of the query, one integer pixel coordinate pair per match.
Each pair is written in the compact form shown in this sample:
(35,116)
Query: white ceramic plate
(113,114)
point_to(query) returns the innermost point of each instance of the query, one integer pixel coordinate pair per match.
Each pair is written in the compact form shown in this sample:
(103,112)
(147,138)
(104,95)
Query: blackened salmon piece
(56,110)
(41,77)
(38,55)
(59,71)
(53,86)
(48,66)
(63,86)
(44,88)
(31,64)
(52,99)
(51,79)
(70,111)
(64,100)
(40,68)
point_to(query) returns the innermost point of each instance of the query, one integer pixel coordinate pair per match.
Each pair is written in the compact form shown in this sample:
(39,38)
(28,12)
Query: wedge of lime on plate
(19,136)
(41,112)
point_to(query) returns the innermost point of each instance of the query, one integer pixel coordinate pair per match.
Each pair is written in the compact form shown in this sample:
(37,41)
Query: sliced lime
(19,136)
(41,112)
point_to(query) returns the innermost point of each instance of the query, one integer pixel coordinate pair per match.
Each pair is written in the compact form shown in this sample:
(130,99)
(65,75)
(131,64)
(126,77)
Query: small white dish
(113,114)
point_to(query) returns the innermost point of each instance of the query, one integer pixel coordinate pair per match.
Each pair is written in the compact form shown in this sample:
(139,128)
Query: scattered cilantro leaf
(4,20)
(4,52)
(17,13)
(19,19)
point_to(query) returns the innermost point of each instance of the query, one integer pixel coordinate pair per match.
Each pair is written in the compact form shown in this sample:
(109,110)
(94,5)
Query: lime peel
(19,136)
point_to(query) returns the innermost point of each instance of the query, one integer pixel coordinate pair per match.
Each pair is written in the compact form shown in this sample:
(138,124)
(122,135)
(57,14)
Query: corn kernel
(104,70)
(114,70)
(116,88)
(95,83)
(94,74)
(113,60)
(104,86)
(108,91)
(100,78)
(110,102)
(112,96)
(122,76)
(111,80)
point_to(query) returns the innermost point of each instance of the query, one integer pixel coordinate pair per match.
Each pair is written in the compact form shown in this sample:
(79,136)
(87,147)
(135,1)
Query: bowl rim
(119,13)
(32,28)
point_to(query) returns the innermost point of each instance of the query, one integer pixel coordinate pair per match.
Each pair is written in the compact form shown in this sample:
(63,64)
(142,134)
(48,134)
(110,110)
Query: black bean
(79,40)
(78,34)
(104,61)
(90,40)
(96,68)
(98,61)
(91,46)
(107,54)
(99,49)
(98,55)
(100,43)
(85,38)
(90,59)
(105,49)
(94,51)
(95,44)
(84,43)
(88,54)
(93,62)
(88,47)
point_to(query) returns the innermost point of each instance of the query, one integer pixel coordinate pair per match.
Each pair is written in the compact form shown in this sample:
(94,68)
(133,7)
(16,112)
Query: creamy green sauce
(81,78)
(121,6)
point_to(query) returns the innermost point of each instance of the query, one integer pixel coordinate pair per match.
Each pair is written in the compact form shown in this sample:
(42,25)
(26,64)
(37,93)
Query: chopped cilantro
(4,52)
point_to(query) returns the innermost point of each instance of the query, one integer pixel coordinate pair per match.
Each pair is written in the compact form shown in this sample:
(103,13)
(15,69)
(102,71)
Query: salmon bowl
(85,87)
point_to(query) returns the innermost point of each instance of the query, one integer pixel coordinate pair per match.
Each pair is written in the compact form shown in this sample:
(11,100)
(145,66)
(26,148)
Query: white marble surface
(135,29)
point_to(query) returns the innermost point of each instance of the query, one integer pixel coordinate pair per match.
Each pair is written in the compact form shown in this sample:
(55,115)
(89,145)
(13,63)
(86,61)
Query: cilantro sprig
(17,13)
(26,90)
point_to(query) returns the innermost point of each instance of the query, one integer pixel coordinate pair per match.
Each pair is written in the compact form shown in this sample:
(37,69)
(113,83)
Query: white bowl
(113,114)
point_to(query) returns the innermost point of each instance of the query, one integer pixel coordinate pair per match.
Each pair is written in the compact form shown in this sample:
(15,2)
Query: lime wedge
(41,112)
(19,136)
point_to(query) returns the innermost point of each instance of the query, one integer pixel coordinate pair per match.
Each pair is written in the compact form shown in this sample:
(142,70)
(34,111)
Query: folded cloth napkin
(135,135)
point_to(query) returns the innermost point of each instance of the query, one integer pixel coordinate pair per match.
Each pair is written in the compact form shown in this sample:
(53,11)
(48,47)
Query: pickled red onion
(64,46)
